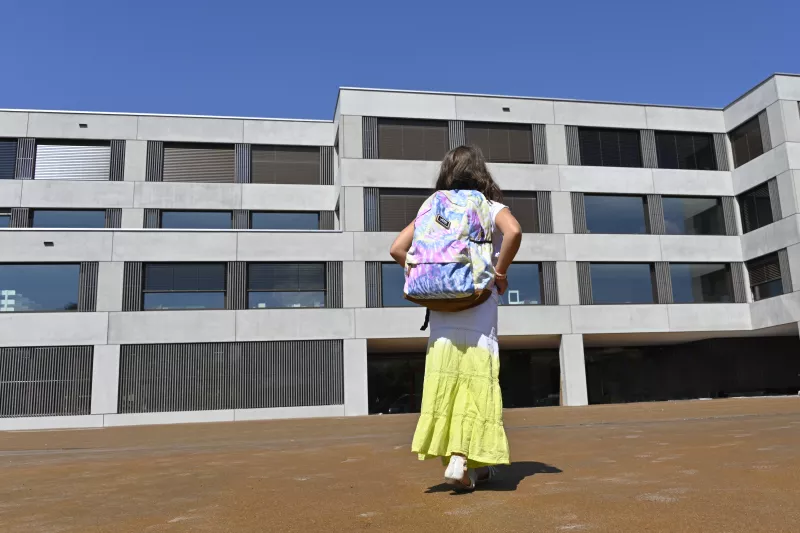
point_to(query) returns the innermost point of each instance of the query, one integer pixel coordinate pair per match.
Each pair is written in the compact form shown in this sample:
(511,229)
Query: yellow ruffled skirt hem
(462,406)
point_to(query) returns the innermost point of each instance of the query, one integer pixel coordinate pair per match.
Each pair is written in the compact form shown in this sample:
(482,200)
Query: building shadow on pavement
(508,477)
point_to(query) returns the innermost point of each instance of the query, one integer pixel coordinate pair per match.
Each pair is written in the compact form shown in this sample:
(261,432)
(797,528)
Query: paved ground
(722,466)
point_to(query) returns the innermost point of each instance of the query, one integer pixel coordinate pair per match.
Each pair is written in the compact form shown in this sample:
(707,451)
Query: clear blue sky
(286,59)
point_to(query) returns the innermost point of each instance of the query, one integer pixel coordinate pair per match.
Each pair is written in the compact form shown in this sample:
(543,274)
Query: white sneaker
(455,470)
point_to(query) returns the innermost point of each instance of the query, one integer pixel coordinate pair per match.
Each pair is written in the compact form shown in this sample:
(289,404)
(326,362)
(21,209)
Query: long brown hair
(465,168)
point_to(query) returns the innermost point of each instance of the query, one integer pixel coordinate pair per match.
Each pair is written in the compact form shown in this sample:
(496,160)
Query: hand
(502,285)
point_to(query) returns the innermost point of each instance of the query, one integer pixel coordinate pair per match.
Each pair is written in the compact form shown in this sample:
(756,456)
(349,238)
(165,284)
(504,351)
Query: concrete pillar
(562,212)
(356,394)
(109,286)
(354,284)
(573,371)
(568,291)
(135,160)
(132,219)
(556,144)
(105,379)
(352,137)
(353,208)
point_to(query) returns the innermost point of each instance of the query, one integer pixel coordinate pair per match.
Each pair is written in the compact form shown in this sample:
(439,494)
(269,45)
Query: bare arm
(512,237)
(401,245)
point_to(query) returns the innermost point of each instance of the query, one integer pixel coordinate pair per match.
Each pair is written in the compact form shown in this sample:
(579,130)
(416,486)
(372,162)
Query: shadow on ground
(508,477)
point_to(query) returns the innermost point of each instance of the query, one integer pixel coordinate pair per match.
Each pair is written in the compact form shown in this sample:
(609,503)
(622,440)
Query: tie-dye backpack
(449,266)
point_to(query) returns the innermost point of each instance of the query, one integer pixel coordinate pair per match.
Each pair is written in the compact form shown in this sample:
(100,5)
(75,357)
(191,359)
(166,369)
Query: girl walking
(461,419)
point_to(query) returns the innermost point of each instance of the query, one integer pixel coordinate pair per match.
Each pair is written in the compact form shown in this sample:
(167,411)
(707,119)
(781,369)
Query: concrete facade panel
(791,120)
(266,197)
(787,191)
(521,111)
(389,173)
(775,119)
(541,247)
(356,397)
(776,311)
(794,265)
(770,238)
(685,119)
(109,286)
(13,124)
(288,132)
(700,248)
(77,194)
(295,246)
(135,160)
(760,169)
(600,115)
(568,291)
(390,323)
(180,417)
(67,126)
(51,422)
(11,193)
(751,104)
(191,129)
(154,327)
(562,212)
(294,324)
(397,104)
(353,206)
(105,379)
(67,246)
(573,371)
(518,177)
(188,196)
(709,317)
(372,246)
(623,248)
(606,179)
(280,413)
(793,155)
(351,145)
(556,144)
(533,320)
(619,318)
(353,281)
(788,87)
(165,245)
(132,219)
(52,329)
(692,182)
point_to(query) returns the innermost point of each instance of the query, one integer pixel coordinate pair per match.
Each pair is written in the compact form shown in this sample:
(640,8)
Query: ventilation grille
(155,161)
(117,160)
(26,159)
(326,165)
(373,281)
(46,381)
(213,376)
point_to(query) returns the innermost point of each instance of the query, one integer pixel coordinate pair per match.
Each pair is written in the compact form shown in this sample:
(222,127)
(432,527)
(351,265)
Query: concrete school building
(163,269)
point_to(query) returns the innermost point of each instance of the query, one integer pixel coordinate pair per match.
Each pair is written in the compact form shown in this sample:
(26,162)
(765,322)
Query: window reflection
(694,216)
(701,283)
(622,283)
(615,214)
(52,218)
(196,219)
(30,288)
(285,221)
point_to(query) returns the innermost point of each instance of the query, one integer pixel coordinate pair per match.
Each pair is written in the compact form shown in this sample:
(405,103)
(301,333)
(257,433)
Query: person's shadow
(508,476)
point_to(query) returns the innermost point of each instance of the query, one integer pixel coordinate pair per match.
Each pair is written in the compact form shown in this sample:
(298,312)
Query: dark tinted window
(501,143)
(610,148)
(8,159)
(524,207)
(398,208)
(47,218)
(694,151)
(196,219)
(184,286)
(694,216)
(756,208)
(765,277)
(615,214)
(622,283)
(701,283)
(293,165)
(524,285)
(209,163)
(5,219)
(426,140)
(281,285)
(296,221)
(39,288)
(392,282)
(746,142)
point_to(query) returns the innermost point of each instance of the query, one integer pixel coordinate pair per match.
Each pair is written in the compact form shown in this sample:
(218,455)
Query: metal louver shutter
(72,162)
(291,165)
(456,134)
(424,140)
(193,163)
(398,208)
(525,209)
(8,159)
(372,276)
(502,143)
(764,269)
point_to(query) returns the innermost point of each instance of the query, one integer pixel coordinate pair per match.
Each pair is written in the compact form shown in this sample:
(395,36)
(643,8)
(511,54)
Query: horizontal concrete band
(45,329)
(182,417)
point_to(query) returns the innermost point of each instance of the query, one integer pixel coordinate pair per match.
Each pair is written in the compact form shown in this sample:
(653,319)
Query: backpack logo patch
(443,221)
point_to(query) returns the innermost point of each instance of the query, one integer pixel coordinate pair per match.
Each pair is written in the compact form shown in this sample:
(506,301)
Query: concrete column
(794,265)
(786,192)
(356,394)
(775,120)
(105,379)
(109,286)
(573,371)
(354,284)
(556,144)
(562,212)
(353,208)
(135,160)
(791,120)
(132,219)
(568,291)
(352,137)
